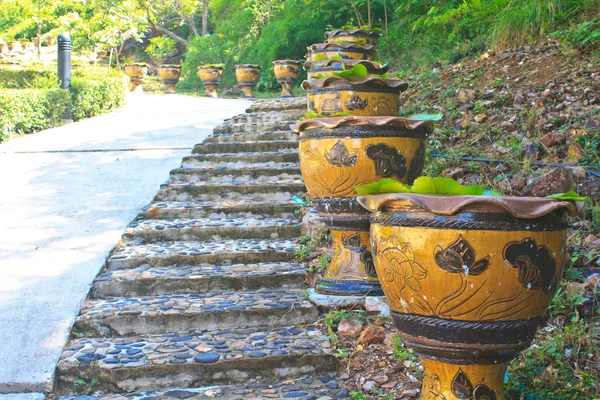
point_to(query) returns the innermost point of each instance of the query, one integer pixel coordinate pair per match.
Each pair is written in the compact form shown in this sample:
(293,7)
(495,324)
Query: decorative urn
(370,96)
(210,75)
(324,69)
(368,36)
(287,73)
(247,76)
(347,51)
(137,74)
(338,154)
(468,280)
(169,75)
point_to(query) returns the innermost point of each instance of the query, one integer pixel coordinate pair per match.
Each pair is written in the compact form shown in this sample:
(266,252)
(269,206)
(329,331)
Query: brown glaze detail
(211,78)
(287,73)
(462,382)
(137,74)
(338,35)
(169,76)
(348,51)
(518,207)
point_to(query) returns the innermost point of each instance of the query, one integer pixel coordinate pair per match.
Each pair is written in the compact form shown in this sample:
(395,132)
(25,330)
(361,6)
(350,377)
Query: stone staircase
(202,297)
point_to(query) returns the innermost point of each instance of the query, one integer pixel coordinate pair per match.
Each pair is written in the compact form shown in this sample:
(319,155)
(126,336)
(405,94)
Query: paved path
(66,196)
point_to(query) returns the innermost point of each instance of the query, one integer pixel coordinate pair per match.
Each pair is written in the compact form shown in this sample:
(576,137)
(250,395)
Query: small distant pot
(211,79)
(10,45)
(247,76)
(348,51)
(338,154)
(49,40)
(169,75)
(370,96)
(287,73)
(468,280)
(352,35)
(36,42)
(327,68)
(137,74)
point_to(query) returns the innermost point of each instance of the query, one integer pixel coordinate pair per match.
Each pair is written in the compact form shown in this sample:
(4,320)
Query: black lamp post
(64,65)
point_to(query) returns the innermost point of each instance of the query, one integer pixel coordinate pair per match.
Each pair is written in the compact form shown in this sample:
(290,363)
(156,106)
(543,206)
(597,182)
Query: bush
(93,96)
(27,78)
(29,110)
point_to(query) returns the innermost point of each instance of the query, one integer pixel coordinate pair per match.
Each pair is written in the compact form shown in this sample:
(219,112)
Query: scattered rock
(372,334)
(558,180)
(551,139)
(579,174)
(350,328)
(370,387)
(380,379)
(480,118)
(311,225)
(377,305)
(410,393)
(465,95)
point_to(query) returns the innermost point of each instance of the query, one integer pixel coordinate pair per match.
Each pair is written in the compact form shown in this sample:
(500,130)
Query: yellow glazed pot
(287,73)
(247,76)
(169,75)
(348,51)
(137,74)
(352,35)
(211,78)
(370,96)
(324,69)
(468,280)
(338,154)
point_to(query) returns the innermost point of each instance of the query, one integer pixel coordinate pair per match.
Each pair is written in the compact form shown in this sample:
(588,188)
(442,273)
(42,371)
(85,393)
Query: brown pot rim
(135,65)
(345,46)
(170,66)
(335,122)
(255,66)
(328,63)
(518,207)
(210,67)
(338,32)
(340,82)
(278,62)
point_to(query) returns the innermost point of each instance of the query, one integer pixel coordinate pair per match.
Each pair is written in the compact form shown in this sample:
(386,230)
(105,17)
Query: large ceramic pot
(169,75)
(287,73)
(370,96)
(338,154)
(468,280)
(348,51)
(211,78)
(247,76)
(353,35)
(137,74)
(324,69)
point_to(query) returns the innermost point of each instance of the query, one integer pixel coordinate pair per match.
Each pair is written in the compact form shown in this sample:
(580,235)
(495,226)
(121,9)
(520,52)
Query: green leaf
(428,117)
(424,185)
(375,187)
(570,195)
(359,71)
(321,57)
(394,187)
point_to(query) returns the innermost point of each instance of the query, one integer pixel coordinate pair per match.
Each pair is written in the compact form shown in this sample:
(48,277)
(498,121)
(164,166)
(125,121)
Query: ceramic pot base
(286,90)
(248,92)
(455,382)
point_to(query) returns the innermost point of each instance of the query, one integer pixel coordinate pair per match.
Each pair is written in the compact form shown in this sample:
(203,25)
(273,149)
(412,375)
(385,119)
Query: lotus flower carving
(339,156)
(460,257)
(537,267)
(388,161)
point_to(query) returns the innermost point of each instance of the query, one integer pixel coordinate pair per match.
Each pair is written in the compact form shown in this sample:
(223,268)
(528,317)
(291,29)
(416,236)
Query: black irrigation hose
(539,163)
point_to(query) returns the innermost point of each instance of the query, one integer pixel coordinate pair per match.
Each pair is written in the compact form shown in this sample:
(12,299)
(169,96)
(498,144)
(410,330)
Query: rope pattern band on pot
(517,225)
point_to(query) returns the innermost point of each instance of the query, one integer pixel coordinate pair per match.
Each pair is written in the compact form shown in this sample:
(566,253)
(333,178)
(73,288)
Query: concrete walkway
(66,196)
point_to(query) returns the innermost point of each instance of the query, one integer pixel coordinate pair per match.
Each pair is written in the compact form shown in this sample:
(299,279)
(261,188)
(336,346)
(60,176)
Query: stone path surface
(67,195)
(202,298)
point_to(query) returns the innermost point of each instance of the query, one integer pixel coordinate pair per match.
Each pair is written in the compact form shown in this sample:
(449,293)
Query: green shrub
(29,110)
(27,78)
(92,97)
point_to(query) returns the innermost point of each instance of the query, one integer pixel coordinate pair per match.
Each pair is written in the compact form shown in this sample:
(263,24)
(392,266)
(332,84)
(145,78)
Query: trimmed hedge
(29,110)
(25,110)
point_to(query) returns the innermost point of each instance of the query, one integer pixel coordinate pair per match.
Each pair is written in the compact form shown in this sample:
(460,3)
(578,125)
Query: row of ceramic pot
(468,278)
(287,73)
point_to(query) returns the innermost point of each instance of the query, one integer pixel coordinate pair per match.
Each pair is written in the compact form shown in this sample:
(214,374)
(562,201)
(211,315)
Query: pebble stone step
(246,127)
(207,228)
(268,189)
(126,316)
(296,103)
(258,146)
(199,174)
(220,209)
(158,281)
(137,254)
(319,387)
(251,137)
(241,159)
(195,358)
